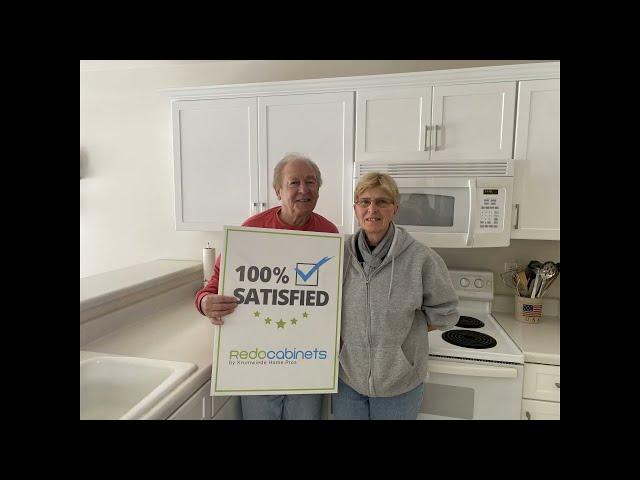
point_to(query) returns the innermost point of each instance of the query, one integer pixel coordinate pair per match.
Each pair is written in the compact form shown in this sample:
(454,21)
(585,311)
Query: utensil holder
(528,310)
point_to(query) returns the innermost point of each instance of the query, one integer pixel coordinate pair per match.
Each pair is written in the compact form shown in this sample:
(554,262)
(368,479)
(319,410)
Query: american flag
(531,310)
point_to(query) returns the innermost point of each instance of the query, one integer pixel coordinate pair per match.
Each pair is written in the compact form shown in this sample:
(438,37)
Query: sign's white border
(218,330)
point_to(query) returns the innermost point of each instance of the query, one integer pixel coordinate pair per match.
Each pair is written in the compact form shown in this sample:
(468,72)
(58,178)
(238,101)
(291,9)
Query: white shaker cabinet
(321,127)
(541,392)
(231,410)
(197,407)
(467,122)
(392,124)
(215,162)
(225,151)
(202,406)
(536,189)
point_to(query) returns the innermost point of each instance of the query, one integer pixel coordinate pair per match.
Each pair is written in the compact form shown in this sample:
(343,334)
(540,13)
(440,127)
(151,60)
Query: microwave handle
(471,370)
(472,210)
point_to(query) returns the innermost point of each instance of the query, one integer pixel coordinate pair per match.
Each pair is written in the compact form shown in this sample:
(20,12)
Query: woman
(394,290)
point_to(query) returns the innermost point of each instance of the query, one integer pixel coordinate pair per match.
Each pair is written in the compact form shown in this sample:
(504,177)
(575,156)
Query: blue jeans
(350,405)
(281,407)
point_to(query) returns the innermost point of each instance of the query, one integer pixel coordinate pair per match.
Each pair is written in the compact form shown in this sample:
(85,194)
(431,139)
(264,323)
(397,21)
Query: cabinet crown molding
(501,73)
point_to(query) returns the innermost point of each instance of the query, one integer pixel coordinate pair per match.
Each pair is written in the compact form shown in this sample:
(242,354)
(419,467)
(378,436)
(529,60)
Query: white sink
(126,387)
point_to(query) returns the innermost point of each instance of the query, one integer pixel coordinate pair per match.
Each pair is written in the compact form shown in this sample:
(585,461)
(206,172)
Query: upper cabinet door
(215,162)
(392,124)
(536,189)
(319,126)
(473,122)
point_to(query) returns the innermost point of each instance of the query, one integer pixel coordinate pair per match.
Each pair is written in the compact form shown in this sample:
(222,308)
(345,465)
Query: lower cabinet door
(539,410)
(232,410)
(541,382)
(198,407)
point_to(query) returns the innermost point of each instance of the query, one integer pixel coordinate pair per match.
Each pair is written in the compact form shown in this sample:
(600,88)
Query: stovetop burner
(469,322)
(469,339)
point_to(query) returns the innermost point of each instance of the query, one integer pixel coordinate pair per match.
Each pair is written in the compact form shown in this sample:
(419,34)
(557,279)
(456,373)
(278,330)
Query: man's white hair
(288,158)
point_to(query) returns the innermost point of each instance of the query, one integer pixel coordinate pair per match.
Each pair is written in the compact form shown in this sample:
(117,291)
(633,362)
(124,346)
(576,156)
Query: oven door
(438,211)
(469,390)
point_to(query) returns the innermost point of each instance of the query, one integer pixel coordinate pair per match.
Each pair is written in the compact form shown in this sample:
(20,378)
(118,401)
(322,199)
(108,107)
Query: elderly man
(296,181)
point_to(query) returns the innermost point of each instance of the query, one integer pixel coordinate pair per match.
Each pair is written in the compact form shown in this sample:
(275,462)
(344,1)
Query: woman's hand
(217,306)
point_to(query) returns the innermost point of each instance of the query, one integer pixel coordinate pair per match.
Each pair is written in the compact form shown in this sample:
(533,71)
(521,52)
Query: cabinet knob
(528,415)
(558,384)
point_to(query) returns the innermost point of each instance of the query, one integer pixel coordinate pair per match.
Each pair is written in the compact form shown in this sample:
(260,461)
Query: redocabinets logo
(284,354)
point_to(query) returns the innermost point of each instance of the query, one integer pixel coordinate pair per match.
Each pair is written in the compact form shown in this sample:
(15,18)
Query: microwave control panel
(491,201)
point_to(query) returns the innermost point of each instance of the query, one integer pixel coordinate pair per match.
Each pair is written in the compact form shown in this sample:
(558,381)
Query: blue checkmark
(307,276)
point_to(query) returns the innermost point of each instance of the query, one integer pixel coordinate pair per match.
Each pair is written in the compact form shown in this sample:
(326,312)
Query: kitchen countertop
(98,289)
(540,342)
(166,326)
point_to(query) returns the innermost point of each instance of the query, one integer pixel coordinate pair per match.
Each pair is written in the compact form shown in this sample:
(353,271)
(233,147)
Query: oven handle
(467,369)
(472,208)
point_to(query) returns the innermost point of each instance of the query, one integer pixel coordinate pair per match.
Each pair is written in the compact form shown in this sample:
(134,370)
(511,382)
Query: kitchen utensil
(551,280)
(546,287)
(509,279)
(535,282)
(523,281)
(516,280)
(547,272)
(533,264)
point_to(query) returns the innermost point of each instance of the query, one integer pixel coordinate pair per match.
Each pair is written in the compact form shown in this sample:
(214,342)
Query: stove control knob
(464,282)
(479,283)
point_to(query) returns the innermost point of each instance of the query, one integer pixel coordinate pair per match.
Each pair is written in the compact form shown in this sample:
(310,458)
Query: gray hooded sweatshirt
(385,346)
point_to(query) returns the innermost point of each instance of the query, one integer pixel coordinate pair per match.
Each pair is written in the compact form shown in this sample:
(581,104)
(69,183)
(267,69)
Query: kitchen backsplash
(520,251)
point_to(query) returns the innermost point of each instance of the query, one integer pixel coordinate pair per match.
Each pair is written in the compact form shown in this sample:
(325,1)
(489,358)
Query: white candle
(208,261)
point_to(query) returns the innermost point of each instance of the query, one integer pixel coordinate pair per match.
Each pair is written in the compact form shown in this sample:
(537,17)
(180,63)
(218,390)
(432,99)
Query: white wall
(126,193)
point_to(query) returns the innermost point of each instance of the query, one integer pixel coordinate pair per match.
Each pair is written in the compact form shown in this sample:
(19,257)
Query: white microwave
(452,204)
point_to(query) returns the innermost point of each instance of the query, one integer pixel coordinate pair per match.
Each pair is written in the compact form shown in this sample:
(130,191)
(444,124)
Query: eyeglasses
(379,202)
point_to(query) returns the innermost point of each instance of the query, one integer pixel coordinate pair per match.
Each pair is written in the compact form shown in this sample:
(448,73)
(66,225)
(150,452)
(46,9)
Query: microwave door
(436,210)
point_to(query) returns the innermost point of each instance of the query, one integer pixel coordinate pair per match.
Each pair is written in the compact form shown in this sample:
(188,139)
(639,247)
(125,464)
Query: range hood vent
(458,169)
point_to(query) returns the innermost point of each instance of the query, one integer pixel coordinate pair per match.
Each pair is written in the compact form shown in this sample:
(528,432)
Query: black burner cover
(469,322)
(469,339)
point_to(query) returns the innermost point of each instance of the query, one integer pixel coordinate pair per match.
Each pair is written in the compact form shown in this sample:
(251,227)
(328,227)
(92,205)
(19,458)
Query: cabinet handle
(263,205)
(528,415)
(254,206)
(426,138)
(517,216)
(435,142)
(558,384)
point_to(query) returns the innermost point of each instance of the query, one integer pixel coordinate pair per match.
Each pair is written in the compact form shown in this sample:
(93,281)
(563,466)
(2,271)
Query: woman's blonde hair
(378,179)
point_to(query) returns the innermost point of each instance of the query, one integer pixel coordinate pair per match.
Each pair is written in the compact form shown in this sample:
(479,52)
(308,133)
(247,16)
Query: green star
(256,314)
(281,323)
(305,314)
(267,320)
(293,321)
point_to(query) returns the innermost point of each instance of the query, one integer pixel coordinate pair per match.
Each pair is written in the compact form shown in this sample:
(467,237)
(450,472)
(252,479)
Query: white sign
(283,338)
